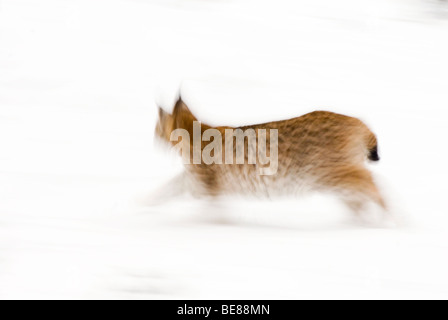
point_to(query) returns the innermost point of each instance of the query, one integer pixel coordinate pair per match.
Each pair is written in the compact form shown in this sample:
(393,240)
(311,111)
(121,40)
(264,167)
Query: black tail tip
(373,154)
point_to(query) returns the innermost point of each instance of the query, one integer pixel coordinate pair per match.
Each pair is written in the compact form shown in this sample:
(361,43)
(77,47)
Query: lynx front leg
(170,190)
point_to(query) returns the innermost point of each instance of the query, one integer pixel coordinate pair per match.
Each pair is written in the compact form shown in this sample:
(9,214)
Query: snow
(79,84)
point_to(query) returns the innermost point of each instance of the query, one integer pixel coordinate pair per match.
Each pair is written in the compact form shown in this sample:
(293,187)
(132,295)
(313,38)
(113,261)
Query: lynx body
(320,151)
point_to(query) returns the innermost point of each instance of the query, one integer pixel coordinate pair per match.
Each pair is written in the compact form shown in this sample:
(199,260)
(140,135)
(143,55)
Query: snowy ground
(78,84)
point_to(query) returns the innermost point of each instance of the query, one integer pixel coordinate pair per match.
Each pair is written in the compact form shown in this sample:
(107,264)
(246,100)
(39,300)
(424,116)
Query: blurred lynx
(320,151)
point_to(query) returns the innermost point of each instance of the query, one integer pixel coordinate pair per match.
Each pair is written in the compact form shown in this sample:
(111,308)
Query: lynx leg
(356,187)
(171,190)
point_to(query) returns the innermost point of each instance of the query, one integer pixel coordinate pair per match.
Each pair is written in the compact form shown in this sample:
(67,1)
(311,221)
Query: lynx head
(181,118)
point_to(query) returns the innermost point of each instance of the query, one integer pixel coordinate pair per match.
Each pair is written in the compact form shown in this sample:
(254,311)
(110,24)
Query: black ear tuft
(179,93)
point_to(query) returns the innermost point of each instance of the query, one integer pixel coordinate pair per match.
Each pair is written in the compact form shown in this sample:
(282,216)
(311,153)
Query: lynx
(317,152)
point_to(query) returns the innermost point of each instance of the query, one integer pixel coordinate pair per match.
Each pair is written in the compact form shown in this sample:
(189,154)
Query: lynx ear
(181,106)
(162,113)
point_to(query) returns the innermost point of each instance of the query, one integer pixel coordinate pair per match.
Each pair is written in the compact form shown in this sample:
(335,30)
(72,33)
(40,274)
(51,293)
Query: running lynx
(319,151)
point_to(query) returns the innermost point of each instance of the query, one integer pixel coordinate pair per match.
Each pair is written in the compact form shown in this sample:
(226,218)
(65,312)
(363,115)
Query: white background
(79,83)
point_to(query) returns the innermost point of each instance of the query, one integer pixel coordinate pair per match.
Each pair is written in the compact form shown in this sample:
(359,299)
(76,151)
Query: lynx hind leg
(356,187)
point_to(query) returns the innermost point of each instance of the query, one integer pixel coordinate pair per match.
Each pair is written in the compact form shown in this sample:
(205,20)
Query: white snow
(79,82)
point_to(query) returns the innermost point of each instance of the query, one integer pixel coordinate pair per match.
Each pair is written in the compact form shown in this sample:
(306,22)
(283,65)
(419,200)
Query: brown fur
(319,151)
